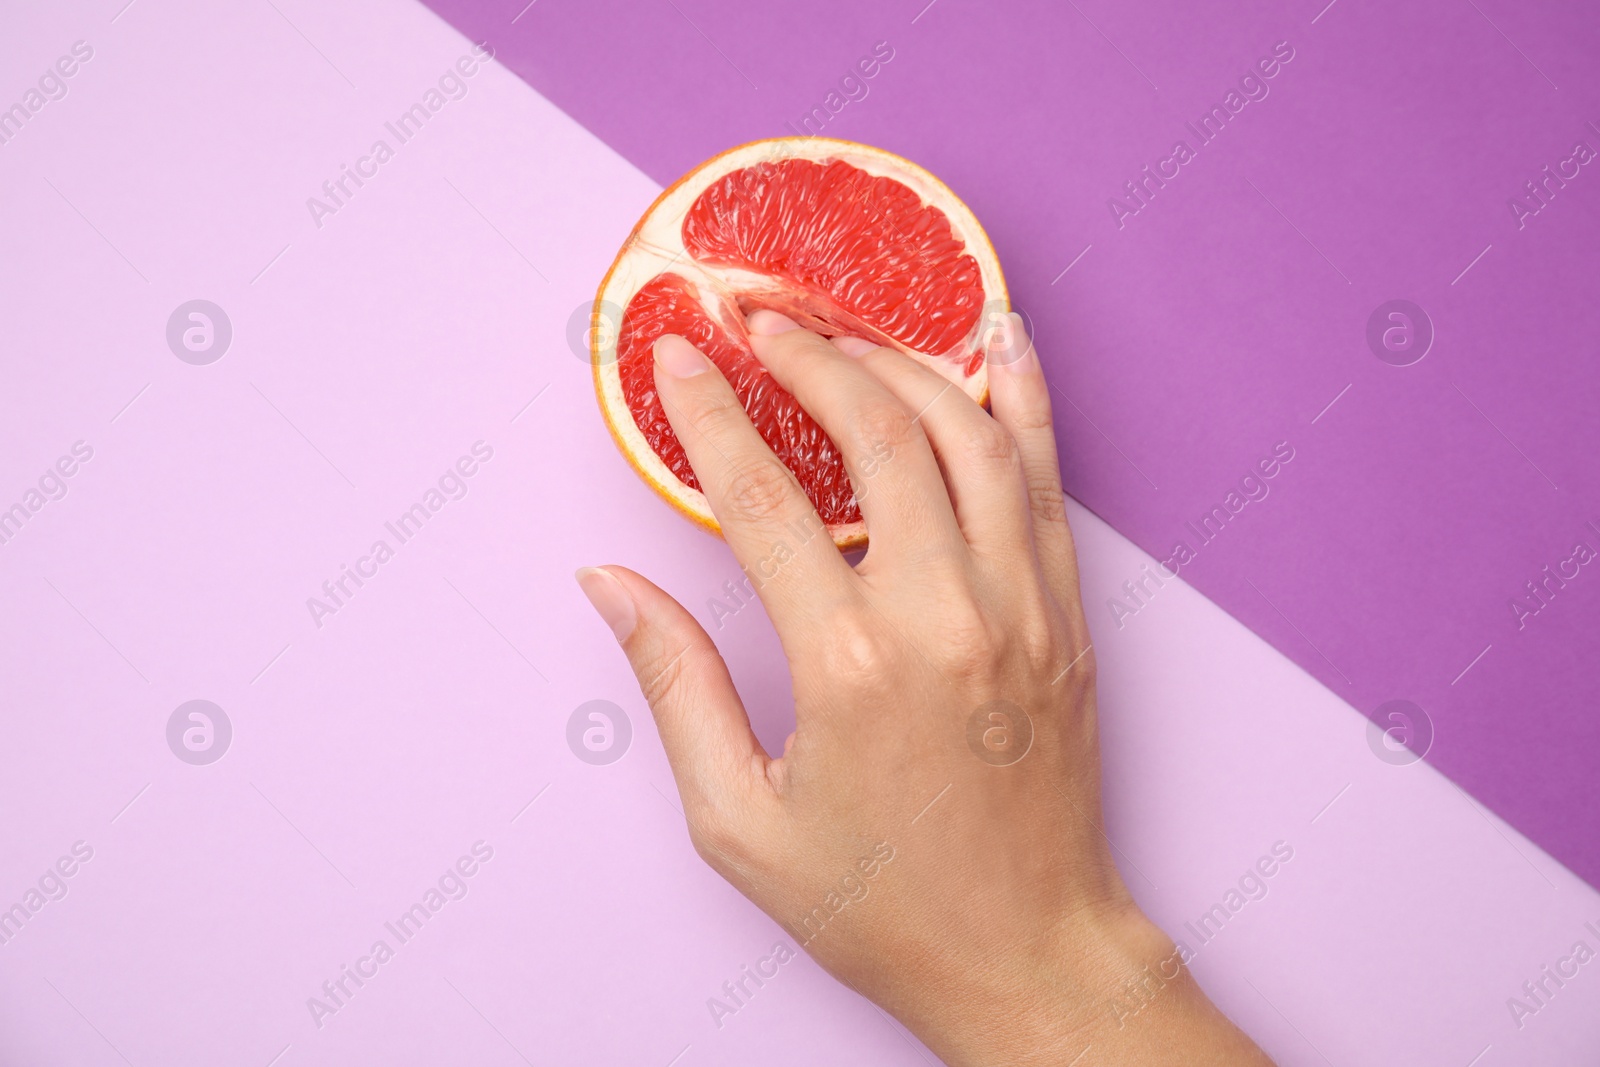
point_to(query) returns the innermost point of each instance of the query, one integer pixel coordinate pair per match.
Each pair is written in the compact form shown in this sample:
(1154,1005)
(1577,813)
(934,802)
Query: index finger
(780,541)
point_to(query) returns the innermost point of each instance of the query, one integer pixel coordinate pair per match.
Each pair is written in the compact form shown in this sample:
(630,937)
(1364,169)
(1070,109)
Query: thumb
(715,756)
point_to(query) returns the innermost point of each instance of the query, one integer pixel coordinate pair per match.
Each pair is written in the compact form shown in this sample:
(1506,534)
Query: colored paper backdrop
(224,385)
(1199,306)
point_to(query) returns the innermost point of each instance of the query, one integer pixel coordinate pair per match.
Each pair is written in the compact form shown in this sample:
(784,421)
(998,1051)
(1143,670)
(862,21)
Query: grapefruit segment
(843,238)
(666,304)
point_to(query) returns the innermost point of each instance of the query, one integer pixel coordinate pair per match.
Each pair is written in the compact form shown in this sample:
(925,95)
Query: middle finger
(891,465)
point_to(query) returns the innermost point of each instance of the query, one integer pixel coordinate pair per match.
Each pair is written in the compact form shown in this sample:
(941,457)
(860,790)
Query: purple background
(1231,310)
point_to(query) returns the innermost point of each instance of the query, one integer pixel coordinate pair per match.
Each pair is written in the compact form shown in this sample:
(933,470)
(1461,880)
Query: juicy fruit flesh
(866,241)
(667,305)
(834,247)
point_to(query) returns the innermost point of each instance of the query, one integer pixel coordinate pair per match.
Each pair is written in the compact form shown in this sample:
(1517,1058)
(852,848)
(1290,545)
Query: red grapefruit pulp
(843,238)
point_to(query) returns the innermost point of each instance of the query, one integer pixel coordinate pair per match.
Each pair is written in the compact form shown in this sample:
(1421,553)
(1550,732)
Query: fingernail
(765,323)
(680,358)
(853,346)
(1022,344)
(1010,347)
(611,602)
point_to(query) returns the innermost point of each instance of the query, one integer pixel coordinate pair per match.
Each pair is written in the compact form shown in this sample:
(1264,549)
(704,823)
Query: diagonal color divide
(1206,347)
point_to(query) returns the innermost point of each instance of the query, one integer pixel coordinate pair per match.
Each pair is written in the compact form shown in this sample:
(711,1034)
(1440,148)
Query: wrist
(1109,980)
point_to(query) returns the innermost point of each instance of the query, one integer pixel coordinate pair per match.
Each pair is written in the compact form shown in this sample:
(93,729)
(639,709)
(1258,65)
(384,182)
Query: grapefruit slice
(843,238)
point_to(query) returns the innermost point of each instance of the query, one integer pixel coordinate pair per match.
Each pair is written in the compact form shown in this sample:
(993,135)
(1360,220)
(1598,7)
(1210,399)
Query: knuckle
(1073,662)
(1042,653)
(1084,672)
(1047,501)
(883,427)
(718,409)
(856,654)
(969,644)
(662,672)
(987,444)
(1039,638)
(725,843)
(1033,415)
(713,837)
(760,492)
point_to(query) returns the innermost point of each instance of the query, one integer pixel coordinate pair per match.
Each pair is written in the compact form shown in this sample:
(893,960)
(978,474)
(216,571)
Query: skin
(956,874)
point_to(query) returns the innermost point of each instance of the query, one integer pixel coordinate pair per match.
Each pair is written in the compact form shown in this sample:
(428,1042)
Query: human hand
(931,833)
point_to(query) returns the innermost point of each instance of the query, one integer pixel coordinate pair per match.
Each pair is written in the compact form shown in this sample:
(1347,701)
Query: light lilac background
(369,754)
(1231,311)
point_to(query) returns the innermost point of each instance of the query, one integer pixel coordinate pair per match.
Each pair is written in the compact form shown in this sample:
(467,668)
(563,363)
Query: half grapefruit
(847,240)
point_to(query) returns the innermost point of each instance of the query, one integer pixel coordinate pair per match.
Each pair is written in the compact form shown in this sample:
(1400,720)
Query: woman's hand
(931,833)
